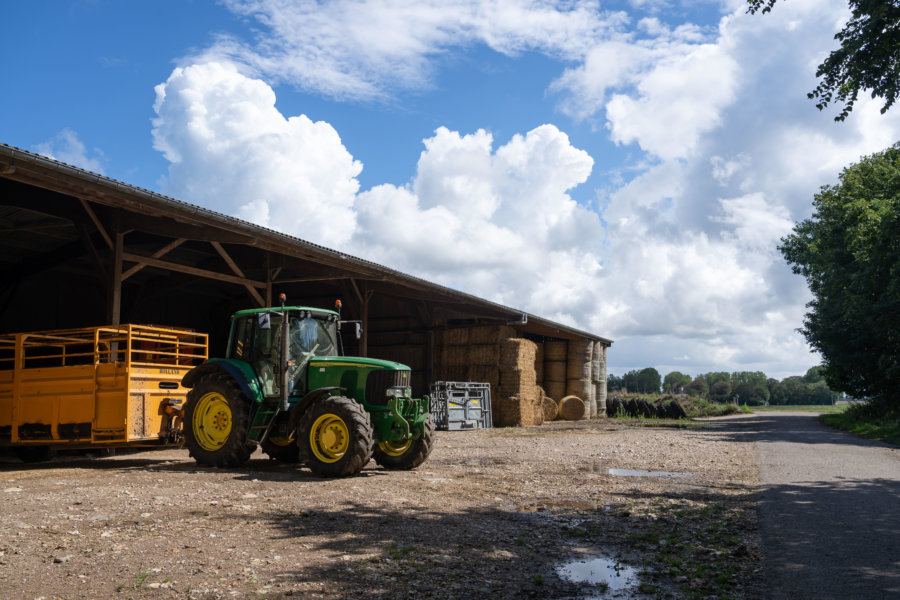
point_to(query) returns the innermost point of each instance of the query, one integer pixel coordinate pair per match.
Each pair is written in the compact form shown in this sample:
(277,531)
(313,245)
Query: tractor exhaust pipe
(285,354)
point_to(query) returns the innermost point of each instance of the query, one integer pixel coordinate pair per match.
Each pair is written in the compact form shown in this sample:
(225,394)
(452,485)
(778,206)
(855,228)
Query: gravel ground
(495,513)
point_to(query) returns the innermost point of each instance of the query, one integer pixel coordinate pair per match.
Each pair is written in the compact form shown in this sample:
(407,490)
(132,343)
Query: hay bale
(646,409)
(484,354)
(555,389)
(557,350)
(571,408)
(539,364)
(550,408)
(458,336)
(579,359)
(482,374)
(583,388)
(555,370)
(600,398)
(455,356)
(518,353)
(493,334)
(538,409)
(448,373)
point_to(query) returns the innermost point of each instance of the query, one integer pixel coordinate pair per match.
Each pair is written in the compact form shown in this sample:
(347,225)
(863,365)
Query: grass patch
(819,408)
(700,407)
(873,421)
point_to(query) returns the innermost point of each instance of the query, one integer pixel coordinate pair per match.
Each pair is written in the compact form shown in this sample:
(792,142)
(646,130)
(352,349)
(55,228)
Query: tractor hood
(354,361)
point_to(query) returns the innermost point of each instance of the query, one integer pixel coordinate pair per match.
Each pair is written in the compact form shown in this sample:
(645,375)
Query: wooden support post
(114,308)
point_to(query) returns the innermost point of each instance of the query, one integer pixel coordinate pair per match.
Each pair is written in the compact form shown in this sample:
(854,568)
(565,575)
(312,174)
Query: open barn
(80,249)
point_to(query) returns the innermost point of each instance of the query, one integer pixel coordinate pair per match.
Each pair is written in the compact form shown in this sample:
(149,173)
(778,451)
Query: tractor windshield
(257,340)
(309,337)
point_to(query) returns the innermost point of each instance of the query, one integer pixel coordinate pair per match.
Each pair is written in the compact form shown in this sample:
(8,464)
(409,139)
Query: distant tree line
(744,387)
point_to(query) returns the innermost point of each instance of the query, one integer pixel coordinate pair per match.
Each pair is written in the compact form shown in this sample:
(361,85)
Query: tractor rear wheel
(335,437)
(217,419)
(406,455)
(282,449)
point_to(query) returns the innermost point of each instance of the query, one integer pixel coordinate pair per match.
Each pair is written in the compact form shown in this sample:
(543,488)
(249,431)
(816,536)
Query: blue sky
(626,167)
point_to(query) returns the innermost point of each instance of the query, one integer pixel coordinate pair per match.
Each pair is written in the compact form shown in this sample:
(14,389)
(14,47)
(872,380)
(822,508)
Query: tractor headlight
(397,392)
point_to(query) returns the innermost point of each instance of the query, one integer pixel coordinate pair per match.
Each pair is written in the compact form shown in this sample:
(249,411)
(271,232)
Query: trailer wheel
(335,437)
(282,449)
(217,417)
(407,455)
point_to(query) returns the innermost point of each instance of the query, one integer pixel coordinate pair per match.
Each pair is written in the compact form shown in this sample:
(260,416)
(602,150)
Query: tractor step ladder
(262,422)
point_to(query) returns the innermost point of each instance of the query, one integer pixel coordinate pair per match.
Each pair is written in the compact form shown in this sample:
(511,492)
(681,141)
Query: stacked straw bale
(555,368)
(519,396)
(598,370)
(578,374)
(539,364)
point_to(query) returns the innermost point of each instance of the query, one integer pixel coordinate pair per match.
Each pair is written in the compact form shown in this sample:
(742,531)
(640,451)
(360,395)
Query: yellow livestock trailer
(95,387)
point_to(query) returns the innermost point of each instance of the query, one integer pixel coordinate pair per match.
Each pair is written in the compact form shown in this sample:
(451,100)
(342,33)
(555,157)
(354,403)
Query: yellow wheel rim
(395,448)
(281,440)
(329,438)
(212,421)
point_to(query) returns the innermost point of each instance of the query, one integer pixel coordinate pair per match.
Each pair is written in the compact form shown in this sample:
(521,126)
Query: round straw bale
(557,350)
(579,359)
(555,389)
(551,408)
(646,409)
(571,408)
(555,370)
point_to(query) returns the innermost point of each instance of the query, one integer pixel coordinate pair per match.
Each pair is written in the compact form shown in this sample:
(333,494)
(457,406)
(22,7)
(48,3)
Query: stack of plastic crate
(458,405)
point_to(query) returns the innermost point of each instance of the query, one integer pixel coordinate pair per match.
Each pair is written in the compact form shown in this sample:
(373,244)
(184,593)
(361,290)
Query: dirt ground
(492,513)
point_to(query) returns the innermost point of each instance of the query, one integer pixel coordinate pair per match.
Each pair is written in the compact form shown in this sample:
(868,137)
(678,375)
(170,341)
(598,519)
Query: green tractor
(284,386)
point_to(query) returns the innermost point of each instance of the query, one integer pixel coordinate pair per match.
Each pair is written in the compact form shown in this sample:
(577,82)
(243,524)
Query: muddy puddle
(600,576)
(639,473)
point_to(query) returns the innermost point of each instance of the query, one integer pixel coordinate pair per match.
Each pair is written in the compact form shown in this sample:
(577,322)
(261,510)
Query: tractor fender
(237,371)
(308,400)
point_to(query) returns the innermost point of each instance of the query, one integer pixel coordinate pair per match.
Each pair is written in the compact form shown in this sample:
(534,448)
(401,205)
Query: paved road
(830,511)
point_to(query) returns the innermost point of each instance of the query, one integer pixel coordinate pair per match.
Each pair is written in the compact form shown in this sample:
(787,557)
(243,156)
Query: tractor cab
(257,338)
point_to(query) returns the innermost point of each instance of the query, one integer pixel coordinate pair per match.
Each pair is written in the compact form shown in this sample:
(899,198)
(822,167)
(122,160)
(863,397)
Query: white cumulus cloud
(230,149)
(66,147)
(367,49)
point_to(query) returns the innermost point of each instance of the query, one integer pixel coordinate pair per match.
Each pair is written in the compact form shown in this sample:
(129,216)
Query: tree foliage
(676,382)
(744,387)
(849,253)
(645,381)
(868,57)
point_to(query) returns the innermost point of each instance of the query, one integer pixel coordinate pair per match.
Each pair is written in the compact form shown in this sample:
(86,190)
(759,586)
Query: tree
(645,381)
(849,253)
(614,383)
(750,387)
(720,391)
(868,57)
(698,387)
(676,382)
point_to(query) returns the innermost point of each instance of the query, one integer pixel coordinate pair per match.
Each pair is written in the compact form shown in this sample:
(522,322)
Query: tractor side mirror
(357,327)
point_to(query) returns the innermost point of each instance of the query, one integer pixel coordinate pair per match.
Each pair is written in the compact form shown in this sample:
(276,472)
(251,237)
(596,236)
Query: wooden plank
(158,254)
(237,271)
(163,264)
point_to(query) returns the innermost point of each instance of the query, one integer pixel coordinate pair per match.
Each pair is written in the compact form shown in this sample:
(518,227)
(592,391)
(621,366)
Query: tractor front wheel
(217,419)
(406,455)
(335,437)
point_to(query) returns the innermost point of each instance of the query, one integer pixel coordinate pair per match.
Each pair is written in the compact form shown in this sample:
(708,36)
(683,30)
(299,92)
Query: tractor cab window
(309,337)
